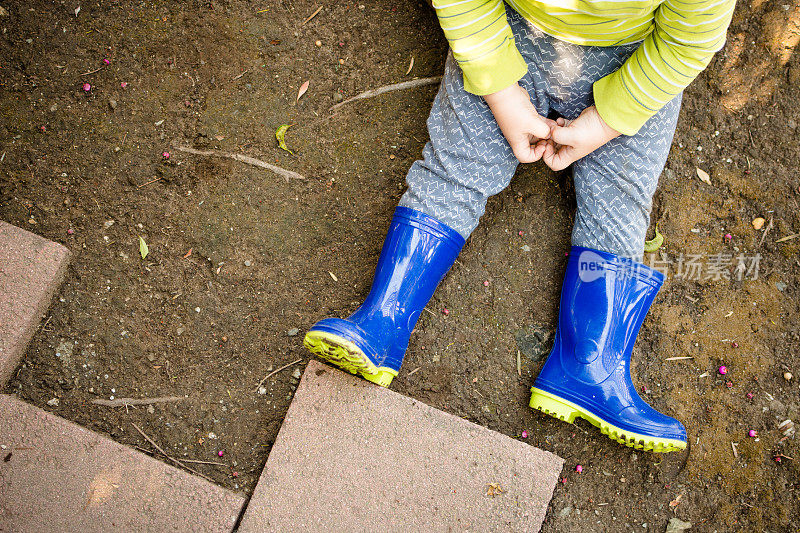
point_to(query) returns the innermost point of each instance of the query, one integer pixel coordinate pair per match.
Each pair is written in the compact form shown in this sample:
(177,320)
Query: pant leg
(466,160)
(614,186)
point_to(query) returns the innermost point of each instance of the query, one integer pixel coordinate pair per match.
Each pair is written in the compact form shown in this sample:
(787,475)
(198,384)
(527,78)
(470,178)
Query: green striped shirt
(678,39)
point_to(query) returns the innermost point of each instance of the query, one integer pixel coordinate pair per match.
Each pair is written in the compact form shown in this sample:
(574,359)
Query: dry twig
(148,182)
(242,74)
(314,14)
(284,367)
(157,447)
(766,230)
(287,174)
(124,402)
(91,71)
(387,88)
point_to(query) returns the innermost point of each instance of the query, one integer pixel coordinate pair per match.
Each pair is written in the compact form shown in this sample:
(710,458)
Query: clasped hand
(532,137)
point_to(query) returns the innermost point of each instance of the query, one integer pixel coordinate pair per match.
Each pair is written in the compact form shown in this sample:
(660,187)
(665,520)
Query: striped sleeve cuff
(618,106)
(494,71)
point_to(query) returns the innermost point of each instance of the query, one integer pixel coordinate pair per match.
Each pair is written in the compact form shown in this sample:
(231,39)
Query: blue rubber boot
(604,300)
(417,253)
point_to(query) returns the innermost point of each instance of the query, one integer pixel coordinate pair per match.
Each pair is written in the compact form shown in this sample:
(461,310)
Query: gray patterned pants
(467,158)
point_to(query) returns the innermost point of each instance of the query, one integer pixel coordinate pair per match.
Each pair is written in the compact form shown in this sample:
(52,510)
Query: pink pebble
(445,311)
(220,453)
(735,344)
(579,469)
(106,61)
(235,474)
(728,237)
(87,87)
(165,155)
(524,434)
(521,233)
(123,84)
(486,283)
(752,433)
(749,395)
(70,231)
(723,370)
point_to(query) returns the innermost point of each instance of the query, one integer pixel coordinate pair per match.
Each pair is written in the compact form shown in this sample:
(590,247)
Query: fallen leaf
(333,276)
(302,90)
(703,175)
(188,253)
(280,134)
(655,243)
(143,249)
(410,66)
(674,503)
(758,223)
(275,42)
(77,10)
(494,489)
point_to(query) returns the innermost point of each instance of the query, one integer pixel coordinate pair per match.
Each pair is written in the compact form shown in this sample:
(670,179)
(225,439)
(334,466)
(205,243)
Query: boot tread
(567,411)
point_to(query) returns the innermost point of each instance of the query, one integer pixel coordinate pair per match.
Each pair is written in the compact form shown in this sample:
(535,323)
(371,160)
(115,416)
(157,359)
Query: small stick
(246,159)
(284,367)
(242,74)
(204,462)
(766,230)
(120,402)
(788,237)
(387,88)
(314,14)
(148,182)
(413,372)
(677,358)
(733,447)
(519,364)
(157,447)
(92,71)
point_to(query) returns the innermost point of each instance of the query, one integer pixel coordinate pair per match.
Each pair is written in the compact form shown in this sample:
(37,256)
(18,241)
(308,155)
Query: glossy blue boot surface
(604,300)
(417,253)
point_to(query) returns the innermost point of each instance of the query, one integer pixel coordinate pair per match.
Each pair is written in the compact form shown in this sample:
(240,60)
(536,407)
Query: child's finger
(540,128)
(539,148)
(558,160)
(565,135)
(524,152)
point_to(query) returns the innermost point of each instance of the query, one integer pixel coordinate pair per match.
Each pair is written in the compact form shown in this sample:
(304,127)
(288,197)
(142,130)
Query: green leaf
(655,243)
(280,134)
(143,249)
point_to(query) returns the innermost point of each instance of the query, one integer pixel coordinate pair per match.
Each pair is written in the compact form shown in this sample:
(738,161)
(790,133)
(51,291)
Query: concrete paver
(57,476)
(351,456)
(31,269)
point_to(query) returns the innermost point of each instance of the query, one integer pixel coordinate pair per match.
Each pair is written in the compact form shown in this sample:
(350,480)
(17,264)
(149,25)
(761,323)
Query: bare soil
(78,167)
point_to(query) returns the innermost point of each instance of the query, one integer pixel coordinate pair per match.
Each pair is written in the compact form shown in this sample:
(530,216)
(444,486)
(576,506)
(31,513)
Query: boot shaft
(604,301)
(417,253)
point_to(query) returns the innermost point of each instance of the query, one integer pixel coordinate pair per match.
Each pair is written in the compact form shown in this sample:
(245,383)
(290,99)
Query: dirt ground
(241,262)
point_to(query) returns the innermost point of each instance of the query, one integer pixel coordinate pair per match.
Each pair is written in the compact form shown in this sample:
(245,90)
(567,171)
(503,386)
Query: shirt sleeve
(686,35)
(482,43)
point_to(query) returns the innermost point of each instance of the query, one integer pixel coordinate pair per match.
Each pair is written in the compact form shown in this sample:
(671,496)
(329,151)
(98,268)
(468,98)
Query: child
(613,71)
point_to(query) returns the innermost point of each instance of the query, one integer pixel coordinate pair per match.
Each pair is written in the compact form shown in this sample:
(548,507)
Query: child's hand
(521,125)
(571,140)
